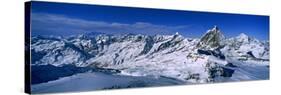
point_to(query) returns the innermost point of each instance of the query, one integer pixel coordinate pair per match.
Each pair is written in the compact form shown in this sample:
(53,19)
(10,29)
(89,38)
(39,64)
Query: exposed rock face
(215,70)
(212,39)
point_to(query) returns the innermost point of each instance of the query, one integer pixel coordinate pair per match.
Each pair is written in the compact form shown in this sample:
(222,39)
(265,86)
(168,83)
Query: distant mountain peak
(243,38)
(177,33)
(243,35)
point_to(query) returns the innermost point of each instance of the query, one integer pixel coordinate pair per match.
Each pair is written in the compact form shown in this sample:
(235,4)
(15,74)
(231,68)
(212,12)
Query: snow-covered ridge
(209,59)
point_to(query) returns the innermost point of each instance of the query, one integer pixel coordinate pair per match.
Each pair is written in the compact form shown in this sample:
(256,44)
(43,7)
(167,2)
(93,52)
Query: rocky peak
(215,28)
(213,38)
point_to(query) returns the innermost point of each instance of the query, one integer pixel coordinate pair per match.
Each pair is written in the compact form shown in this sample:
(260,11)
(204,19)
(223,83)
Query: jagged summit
(211,39)
(215,28)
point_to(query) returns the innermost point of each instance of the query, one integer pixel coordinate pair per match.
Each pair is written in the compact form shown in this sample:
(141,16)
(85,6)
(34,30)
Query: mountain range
(211,58)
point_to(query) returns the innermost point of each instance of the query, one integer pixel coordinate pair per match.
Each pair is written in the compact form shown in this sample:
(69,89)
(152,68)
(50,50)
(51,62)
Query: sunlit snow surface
(97,81)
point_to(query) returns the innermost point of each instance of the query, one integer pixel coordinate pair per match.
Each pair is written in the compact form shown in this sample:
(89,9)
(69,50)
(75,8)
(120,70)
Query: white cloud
(43,23)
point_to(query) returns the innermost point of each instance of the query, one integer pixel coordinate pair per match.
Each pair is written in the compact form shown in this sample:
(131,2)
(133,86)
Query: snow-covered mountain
(212,58)
(247,47)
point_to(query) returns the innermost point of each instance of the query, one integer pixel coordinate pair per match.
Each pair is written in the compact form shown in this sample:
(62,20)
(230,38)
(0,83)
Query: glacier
(158,59)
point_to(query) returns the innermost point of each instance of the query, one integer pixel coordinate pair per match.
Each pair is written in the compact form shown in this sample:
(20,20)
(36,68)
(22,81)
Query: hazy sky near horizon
(71,19)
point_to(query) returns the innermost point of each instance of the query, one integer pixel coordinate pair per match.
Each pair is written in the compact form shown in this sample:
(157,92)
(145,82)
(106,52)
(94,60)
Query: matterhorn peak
(213,38)
(215,28)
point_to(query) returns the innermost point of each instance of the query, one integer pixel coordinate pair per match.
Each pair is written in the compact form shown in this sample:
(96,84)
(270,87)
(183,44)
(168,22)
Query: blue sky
(72,19)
